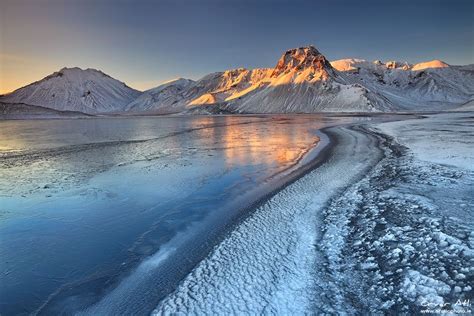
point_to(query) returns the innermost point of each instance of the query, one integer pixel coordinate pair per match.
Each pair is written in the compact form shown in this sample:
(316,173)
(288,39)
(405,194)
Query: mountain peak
(85,90)
(78,70)
(301,58)
(436,63)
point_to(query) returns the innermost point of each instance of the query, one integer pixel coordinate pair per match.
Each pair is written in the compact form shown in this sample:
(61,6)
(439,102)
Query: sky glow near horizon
(144,43)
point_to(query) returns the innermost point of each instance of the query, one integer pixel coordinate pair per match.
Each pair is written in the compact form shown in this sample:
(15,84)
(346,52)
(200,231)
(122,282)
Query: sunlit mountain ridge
(302,81)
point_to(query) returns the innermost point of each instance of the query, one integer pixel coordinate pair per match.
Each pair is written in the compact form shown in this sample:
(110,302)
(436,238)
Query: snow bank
(443,138)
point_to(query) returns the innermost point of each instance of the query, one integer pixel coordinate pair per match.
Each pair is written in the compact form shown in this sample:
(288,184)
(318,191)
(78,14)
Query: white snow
(75,89)
(425,86)
(442,138)
(303,81)
(400,239)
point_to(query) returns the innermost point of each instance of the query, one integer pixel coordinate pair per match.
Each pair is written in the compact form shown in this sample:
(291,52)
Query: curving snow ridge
(270,264)
(75,89)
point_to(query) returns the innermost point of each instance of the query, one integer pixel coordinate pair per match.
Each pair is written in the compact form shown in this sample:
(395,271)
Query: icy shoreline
(379,220)
(400,241)
(269,264)
(374,228)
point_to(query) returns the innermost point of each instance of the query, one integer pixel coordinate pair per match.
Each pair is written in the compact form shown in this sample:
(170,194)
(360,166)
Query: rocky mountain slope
(303,81)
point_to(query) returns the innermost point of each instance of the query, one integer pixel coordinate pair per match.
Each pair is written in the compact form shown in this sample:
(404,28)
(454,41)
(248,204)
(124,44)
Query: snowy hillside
(303,81)
(167,95)
(184,94)
(432,85)
(25,111)
(74,89)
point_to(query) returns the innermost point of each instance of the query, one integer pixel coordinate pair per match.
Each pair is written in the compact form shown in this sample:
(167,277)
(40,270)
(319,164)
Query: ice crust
(398,238)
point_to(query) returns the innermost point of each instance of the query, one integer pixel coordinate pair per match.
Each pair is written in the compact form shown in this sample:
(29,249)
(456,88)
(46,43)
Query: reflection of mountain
(269,143)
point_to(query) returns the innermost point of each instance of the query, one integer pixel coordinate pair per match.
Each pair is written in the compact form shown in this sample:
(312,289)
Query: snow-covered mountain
(184,94)
(167,95)
(74,89)
(303,81)
(432,85)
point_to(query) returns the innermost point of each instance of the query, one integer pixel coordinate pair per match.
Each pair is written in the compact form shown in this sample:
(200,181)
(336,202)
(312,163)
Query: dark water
(88,205)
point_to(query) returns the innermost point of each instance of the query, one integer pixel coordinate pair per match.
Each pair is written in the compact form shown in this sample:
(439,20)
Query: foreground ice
(83,203)
(384,225)
(271,263)
(401,240)
(396,238)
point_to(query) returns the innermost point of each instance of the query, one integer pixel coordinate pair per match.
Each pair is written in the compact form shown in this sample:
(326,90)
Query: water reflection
(268,143)
(103,184)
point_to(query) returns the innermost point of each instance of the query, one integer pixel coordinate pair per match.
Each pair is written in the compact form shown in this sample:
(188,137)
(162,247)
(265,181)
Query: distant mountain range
(303,81)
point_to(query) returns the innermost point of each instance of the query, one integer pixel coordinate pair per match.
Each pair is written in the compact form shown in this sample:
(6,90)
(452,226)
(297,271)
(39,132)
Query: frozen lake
(84,202)
(234,214)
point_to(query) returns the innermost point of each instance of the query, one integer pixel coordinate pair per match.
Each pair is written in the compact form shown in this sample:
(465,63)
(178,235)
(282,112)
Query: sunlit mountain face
(302,81)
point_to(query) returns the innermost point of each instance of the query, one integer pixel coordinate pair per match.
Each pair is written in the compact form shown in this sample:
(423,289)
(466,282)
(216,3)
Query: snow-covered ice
(122,189)
(403,234)
(398,239)
(383,224)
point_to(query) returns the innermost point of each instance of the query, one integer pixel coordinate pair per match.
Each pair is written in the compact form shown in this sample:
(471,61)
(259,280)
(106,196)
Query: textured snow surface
(402,238)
